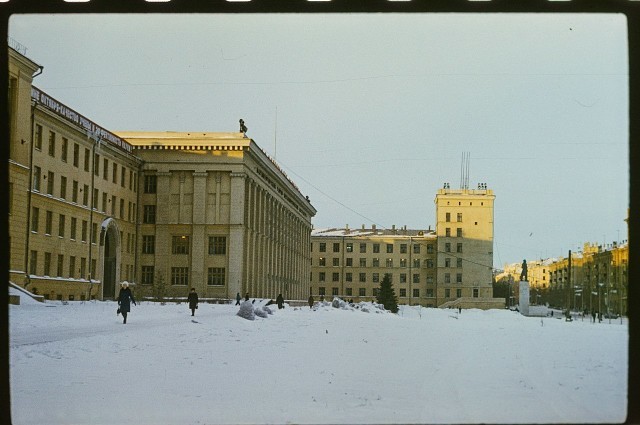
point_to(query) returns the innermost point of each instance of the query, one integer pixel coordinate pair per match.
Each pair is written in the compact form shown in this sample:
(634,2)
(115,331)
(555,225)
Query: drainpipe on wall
(29,190)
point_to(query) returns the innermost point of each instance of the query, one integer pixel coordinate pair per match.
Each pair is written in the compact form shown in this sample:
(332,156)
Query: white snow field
(78,364)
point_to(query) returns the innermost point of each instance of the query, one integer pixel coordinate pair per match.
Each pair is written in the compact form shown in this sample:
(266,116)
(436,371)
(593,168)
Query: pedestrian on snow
(280,301)
(238,298)
(459,309)
(246,296)
(125,297)
(593,316)
(193,301)
(310,301)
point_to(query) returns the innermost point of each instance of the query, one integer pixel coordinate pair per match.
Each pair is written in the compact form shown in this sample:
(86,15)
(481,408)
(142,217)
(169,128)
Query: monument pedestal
(523,305)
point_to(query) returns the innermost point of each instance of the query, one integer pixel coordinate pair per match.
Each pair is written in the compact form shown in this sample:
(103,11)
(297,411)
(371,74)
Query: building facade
(89,209)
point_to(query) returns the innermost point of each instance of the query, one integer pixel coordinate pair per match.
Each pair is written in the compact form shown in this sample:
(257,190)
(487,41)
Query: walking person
(280,301)
(193,301)
(310,301)
(125,297)
(238,298)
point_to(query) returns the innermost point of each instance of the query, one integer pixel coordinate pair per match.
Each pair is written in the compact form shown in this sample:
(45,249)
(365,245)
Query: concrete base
(523,306)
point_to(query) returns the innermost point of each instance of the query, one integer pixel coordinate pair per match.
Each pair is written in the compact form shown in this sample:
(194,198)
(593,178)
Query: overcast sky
(369,114)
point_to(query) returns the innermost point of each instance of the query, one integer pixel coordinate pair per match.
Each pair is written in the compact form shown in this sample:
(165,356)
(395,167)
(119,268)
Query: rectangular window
(459,247)
(349,247)
(403,292)
(376,292)
(349,262)
(74,223)
(348,291)
(36,178)
(363,248)
(180,244)
(33,262)
(403,248)
(217,245)
(322,261)
(113,205)
(48,223)
(47,264)
(458,293)
(403,278)
(416,278)
(61,225)
(334,291)
(85,195)
(60,265)
(362,292)
(96,164)
(148,244)
(430,292)
(447,217)
(72,266)
(104,202)
(476,293)
(348,277)
(147,275)
(375,278)
(83,267)
(129,211)
(83,234)
(447,293)
(123,174)
(65,149)
(50,181)
(321,291)
(321,277)
(87,158)
(105,169)
(52,143)
(150,184)
(96,194)
(323,247)
(389,248)
(76,155)
(130,179)
(74,191)
(122,208)
(430,248)
(459,217)
(336,247)
(447,247)
(38,137)
(458,262)
(447,262)
(362,277)
(429,263)
(376,248)
(335,277)
(416,248)
(459,278)
(447,278)
(416,262)
(94,233)
(389,262)
(375,262)
(135,182)
(459,232)
(447,232)
(363,262)
(416,293)
(35,219)
(216,276)
(336,262)
(179,275)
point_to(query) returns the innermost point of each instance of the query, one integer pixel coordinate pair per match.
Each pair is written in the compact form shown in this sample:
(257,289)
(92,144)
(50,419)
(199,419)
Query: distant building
(89,208)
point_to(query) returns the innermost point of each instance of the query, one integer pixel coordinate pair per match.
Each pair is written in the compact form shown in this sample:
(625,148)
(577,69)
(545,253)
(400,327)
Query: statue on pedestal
(243,128)
(523,274)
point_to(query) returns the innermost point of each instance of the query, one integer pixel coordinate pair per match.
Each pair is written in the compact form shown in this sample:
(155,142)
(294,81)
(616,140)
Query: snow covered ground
(78,364)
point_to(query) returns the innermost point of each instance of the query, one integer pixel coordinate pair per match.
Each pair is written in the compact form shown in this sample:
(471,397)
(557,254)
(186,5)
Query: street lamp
(600,285)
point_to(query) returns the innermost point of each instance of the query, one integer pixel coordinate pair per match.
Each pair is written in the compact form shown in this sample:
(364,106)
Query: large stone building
(89,208)
(451,266)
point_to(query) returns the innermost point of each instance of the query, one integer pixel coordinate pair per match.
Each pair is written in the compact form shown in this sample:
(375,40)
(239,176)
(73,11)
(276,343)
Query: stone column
(236,235)
(198,233)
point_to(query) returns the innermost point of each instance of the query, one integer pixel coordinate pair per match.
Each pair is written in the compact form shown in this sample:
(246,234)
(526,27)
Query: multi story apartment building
(211,210)
(350,263)
(449,266)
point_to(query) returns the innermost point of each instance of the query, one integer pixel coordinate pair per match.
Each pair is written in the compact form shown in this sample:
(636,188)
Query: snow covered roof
(398,232)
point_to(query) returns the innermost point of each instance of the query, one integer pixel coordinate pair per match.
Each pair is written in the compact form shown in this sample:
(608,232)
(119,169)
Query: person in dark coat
(193,301)
(280,301)
(246,297)
(125,297)
(238,298)
(310,301)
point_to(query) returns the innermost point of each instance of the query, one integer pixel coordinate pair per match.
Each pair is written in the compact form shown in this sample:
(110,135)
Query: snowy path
(82,365)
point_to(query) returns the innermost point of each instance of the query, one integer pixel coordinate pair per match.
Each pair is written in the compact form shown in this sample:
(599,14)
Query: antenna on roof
(464,170)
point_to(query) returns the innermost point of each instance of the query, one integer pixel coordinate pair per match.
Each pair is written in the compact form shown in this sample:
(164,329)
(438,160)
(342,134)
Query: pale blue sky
(375,110)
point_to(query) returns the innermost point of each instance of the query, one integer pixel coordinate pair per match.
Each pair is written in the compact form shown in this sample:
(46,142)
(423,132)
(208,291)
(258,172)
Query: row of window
(375,262)
(447,232)
(181,245)
(375,246)
(76,190)
(64,156)
(216,276)
(448,217)
(375,277)
(73,228)
(402,292)
(58,269)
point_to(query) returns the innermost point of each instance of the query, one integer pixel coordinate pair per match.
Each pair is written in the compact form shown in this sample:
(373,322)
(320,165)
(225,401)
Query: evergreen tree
(387,295)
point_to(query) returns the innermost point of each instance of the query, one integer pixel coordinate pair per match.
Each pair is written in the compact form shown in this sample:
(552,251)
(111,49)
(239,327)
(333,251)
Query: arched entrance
(110,243)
